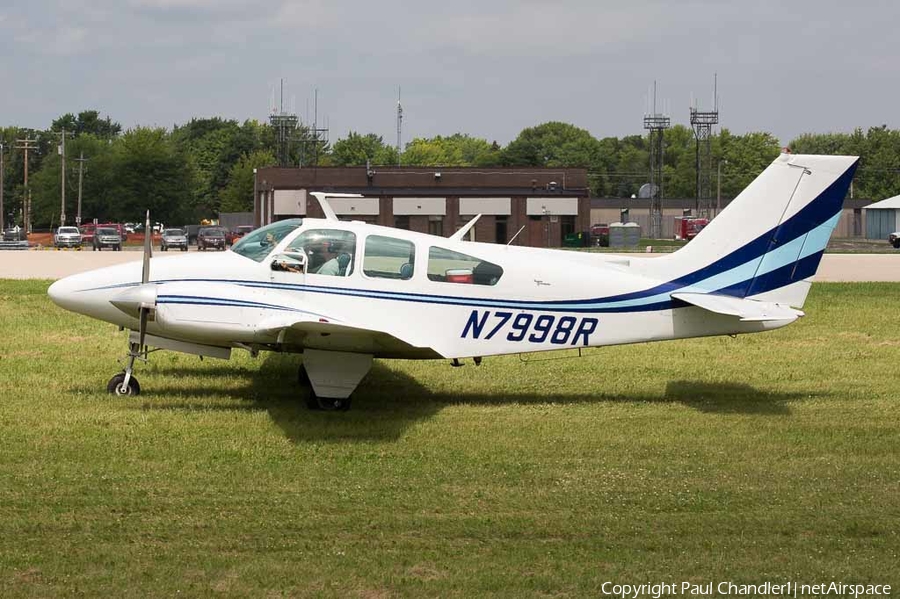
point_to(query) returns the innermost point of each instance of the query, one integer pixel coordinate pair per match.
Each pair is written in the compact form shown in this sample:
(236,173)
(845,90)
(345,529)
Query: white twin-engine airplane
(342,293)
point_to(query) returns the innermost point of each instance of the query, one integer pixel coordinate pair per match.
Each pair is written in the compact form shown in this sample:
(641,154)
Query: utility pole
(62,178)
(80,160)
(26,145)
(719,187)
(2,209)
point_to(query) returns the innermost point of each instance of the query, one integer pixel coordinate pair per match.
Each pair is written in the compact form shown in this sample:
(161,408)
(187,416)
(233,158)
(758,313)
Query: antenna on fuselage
(522,228)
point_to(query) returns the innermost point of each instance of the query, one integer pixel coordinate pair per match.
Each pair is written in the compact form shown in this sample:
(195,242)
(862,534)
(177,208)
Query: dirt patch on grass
(426,572)
(28,353)
(29,576)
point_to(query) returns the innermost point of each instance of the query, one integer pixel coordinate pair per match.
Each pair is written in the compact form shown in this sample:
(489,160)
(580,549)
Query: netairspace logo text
(709,589)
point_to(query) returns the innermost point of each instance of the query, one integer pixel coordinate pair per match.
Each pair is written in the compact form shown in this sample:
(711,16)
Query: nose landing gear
(124,383)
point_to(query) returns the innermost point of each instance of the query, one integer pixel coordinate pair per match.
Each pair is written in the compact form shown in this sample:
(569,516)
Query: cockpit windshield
(260,243)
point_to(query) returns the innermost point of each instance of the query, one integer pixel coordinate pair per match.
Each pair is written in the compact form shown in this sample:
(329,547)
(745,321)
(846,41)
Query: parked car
(211,237)
(894,239)
(87,233)
(107,237)
(237,233)
(173,238)
(69,237)
(14,234)
(119,227)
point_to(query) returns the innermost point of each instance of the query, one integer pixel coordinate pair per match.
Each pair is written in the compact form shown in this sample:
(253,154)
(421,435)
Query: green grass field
(771,457)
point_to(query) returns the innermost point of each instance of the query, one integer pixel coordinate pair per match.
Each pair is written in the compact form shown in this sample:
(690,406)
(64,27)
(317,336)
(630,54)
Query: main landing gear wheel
(115,387)
(314,402)
(329,404)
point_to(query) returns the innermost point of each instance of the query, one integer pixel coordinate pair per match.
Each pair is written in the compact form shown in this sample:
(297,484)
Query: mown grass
(766,457)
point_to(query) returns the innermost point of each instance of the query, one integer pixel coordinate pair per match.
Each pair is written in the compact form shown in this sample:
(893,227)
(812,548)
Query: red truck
(687,227)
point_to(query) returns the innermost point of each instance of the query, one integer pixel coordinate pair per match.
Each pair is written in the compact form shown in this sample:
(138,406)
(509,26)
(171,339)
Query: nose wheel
(124,383)
(118,386)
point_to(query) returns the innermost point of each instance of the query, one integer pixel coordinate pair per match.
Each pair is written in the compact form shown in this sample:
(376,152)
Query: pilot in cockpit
(330,253)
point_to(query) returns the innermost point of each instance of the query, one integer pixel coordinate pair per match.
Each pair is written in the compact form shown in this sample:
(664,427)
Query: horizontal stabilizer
(747,310)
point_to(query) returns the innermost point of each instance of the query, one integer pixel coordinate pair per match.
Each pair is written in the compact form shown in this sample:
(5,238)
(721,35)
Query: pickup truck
(69,237)
(894,239)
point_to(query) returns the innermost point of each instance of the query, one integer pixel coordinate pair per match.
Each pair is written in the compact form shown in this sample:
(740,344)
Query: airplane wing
(315,333)
(745,309)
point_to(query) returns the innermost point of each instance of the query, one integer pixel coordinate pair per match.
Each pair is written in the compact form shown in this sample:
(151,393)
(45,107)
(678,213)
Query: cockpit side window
(260,243)
(447,266)
(328,252)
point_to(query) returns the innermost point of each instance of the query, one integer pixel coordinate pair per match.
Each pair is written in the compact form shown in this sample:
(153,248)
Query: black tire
(312,402)
(328,404)
(115,383)
(184,249)
(897,245)
(118,248)
(303,378)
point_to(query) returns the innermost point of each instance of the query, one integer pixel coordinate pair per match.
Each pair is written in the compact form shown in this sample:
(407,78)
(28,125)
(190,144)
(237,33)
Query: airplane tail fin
(768,242)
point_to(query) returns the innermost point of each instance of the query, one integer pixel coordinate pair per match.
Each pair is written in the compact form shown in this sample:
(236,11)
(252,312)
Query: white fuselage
(544,300)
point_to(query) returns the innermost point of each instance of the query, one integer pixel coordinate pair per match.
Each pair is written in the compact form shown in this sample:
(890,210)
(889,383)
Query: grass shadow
(388,402)
(718,398)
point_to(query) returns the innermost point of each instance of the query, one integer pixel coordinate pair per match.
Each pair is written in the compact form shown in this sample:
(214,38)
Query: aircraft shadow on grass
(389,402)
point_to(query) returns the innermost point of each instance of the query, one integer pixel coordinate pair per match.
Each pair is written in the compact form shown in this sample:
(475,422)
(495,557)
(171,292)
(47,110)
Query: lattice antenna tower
(315,136)
(702,122)
(285,126)
(656,123)
(399,124)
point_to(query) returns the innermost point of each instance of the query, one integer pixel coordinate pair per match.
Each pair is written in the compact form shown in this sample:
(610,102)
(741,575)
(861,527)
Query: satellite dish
(648,190)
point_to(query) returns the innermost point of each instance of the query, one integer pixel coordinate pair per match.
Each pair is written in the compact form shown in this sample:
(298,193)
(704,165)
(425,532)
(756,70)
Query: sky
(489,68)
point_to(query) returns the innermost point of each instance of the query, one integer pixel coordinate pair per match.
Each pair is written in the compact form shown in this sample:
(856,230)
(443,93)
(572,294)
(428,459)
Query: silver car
(173,238)
(69,237)
(107,237)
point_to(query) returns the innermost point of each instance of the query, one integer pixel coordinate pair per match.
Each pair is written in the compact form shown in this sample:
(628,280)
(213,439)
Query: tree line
(205,166)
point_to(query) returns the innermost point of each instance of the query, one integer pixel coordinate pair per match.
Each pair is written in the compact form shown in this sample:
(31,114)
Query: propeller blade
(148,250)
(142,332)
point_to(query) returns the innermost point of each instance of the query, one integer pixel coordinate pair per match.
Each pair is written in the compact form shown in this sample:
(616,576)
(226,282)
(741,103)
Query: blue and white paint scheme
(401,294)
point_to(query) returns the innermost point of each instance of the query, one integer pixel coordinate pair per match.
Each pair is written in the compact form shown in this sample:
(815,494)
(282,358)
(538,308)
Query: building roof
(682,203)
(893,202)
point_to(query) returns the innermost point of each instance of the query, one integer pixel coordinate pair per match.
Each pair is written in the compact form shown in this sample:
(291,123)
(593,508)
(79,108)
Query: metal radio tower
(702,122)
(285,126)
(315,135)
(399,124)
(656,123)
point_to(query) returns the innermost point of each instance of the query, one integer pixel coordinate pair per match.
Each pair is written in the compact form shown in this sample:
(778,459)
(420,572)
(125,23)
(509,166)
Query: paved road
(54,265)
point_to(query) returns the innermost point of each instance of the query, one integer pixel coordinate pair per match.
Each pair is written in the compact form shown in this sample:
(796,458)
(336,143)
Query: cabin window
(447,266)
(329,252)
(389,258)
